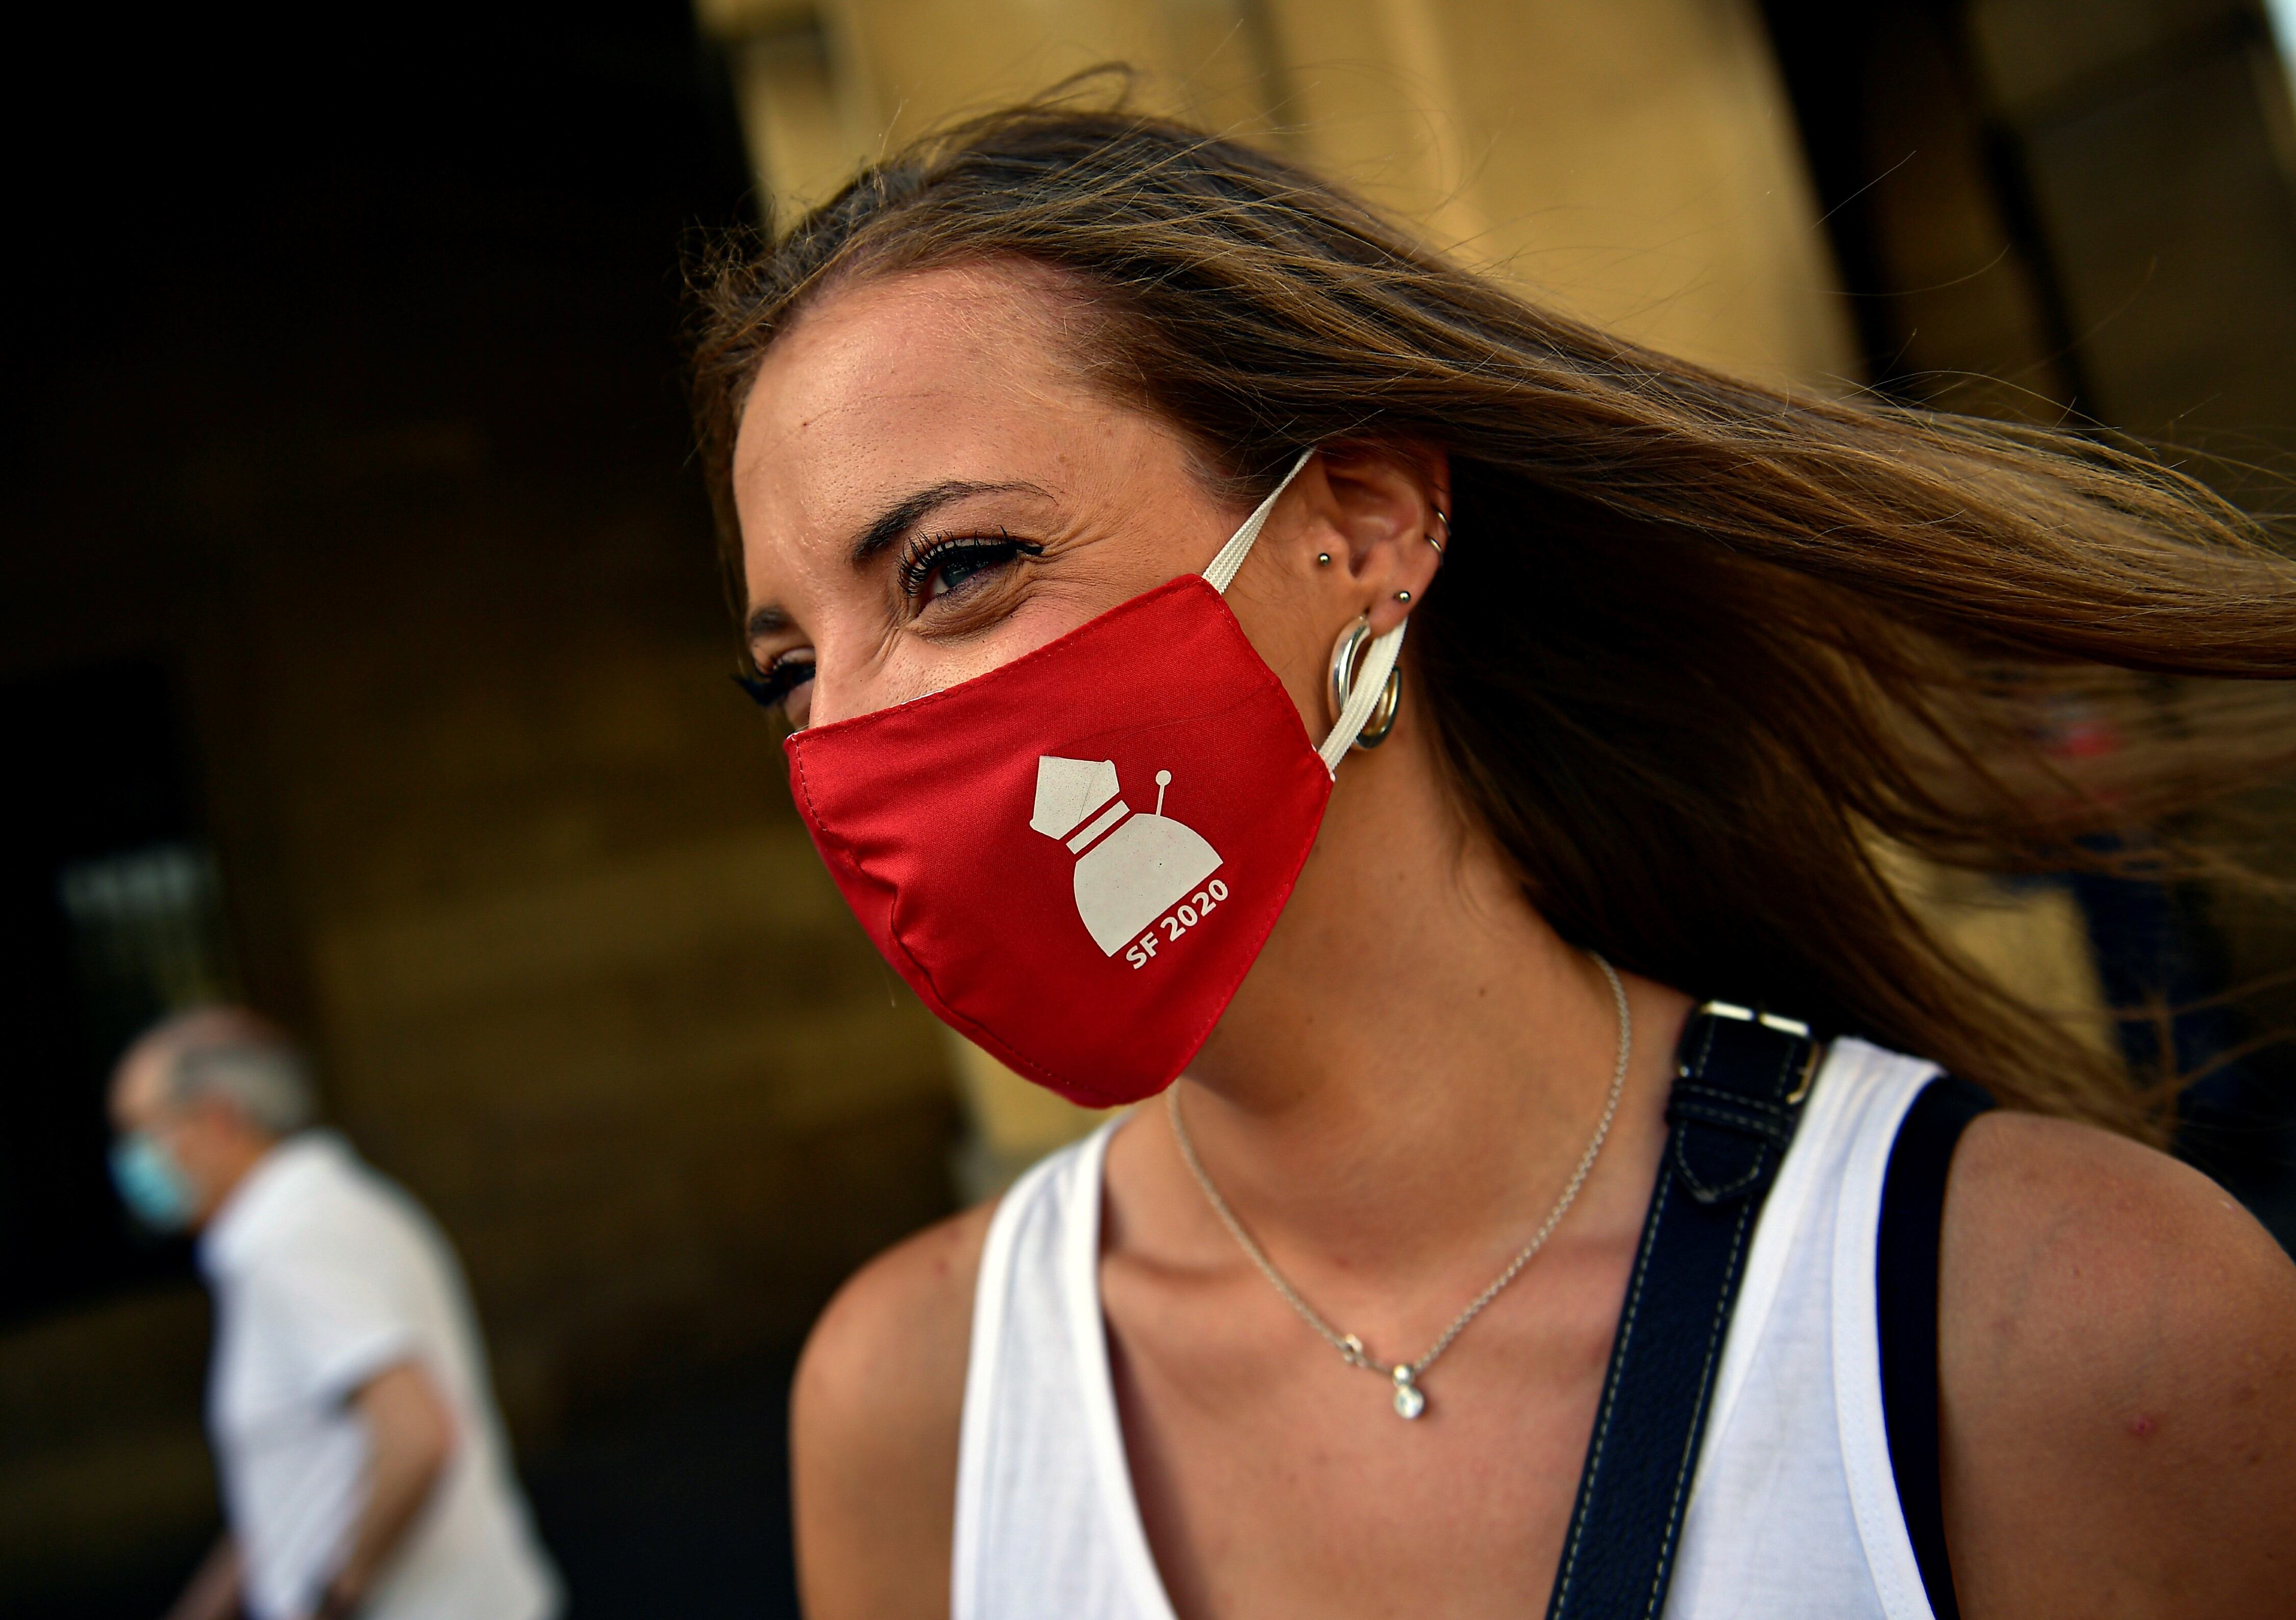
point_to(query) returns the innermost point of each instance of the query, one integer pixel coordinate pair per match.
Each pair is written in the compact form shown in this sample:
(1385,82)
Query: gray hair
(242,1060)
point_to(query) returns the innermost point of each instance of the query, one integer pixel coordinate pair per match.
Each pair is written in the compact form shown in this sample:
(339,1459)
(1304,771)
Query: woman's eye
(771,688)
(943,566)
(957,568)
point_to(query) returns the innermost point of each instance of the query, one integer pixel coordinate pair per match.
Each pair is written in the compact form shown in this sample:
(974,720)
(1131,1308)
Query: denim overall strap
(1741,1079)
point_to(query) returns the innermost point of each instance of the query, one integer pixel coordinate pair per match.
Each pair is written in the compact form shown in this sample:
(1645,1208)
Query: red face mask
(1075,858)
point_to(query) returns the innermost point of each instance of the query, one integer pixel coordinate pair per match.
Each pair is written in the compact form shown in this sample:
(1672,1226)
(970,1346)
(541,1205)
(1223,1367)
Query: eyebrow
(886,530)
(907,513)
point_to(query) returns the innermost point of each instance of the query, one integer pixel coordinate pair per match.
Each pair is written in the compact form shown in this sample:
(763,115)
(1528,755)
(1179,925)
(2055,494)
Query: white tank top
(1793,1514)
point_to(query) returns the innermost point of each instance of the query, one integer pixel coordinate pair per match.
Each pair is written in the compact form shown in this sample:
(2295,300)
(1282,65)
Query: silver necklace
(1410,1399)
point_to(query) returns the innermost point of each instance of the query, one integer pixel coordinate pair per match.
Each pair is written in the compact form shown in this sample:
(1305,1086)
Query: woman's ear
(1386,504)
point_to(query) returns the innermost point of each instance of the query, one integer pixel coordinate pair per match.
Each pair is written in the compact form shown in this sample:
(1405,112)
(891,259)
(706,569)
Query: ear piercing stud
(1322,559)
(1403,596)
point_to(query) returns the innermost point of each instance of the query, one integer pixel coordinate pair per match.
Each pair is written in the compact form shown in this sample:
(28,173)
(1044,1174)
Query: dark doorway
(345,389)
(111,914)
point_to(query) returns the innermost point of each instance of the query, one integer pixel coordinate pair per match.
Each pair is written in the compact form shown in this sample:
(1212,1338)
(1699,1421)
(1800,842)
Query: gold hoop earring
(1347,653)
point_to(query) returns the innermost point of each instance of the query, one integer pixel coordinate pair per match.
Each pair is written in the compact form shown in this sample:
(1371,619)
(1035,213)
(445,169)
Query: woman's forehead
(932,376)
(893,348)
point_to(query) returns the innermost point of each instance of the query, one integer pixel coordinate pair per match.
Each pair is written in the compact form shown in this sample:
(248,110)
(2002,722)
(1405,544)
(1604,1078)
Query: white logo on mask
(1129,875)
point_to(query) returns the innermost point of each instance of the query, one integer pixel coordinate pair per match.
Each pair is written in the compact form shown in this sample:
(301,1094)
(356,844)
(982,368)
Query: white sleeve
(335,1322)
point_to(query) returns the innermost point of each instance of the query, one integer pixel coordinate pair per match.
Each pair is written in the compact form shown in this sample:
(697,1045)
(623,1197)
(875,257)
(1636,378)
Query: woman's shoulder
(900,1325)
(2060,1237)
(875,1416)
(2118,1372)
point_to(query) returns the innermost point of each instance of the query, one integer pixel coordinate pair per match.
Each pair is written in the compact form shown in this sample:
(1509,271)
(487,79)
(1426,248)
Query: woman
(1074,457)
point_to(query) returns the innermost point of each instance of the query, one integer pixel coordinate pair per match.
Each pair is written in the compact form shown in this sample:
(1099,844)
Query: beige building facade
(1633,160)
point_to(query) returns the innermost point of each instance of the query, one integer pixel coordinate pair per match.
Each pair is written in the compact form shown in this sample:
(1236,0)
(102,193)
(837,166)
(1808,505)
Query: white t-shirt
(325,1275)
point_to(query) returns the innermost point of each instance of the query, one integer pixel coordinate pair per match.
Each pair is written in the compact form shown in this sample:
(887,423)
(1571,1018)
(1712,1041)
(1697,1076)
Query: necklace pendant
(1410,1400)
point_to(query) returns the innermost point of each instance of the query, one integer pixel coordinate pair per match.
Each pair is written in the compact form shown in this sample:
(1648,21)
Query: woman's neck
(1416,1060)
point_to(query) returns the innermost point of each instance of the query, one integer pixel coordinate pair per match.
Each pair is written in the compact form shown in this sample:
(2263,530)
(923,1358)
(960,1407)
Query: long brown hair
(1702,646)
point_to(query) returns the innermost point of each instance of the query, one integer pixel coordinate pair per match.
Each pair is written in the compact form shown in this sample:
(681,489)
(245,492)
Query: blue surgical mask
(151,1183)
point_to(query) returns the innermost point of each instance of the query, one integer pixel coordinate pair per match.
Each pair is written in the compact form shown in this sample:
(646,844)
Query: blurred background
(362,653)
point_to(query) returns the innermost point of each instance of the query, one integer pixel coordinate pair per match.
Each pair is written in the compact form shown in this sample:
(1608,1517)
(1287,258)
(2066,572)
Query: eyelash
(917,569)
(772,689)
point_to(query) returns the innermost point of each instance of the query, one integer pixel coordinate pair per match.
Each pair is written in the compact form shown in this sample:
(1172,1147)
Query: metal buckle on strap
(1783,1025)
(1747,1015)
(1801,1093)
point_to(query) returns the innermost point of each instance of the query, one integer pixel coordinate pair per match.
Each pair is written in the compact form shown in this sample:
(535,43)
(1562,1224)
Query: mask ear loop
(1222,572)
(1378,660)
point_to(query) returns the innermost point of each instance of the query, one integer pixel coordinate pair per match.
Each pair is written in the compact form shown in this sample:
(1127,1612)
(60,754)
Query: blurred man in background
(363,1470)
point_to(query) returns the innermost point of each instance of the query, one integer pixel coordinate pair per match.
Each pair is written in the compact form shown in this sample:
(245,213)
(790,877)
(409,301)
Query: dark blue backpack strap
(1741,1079)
